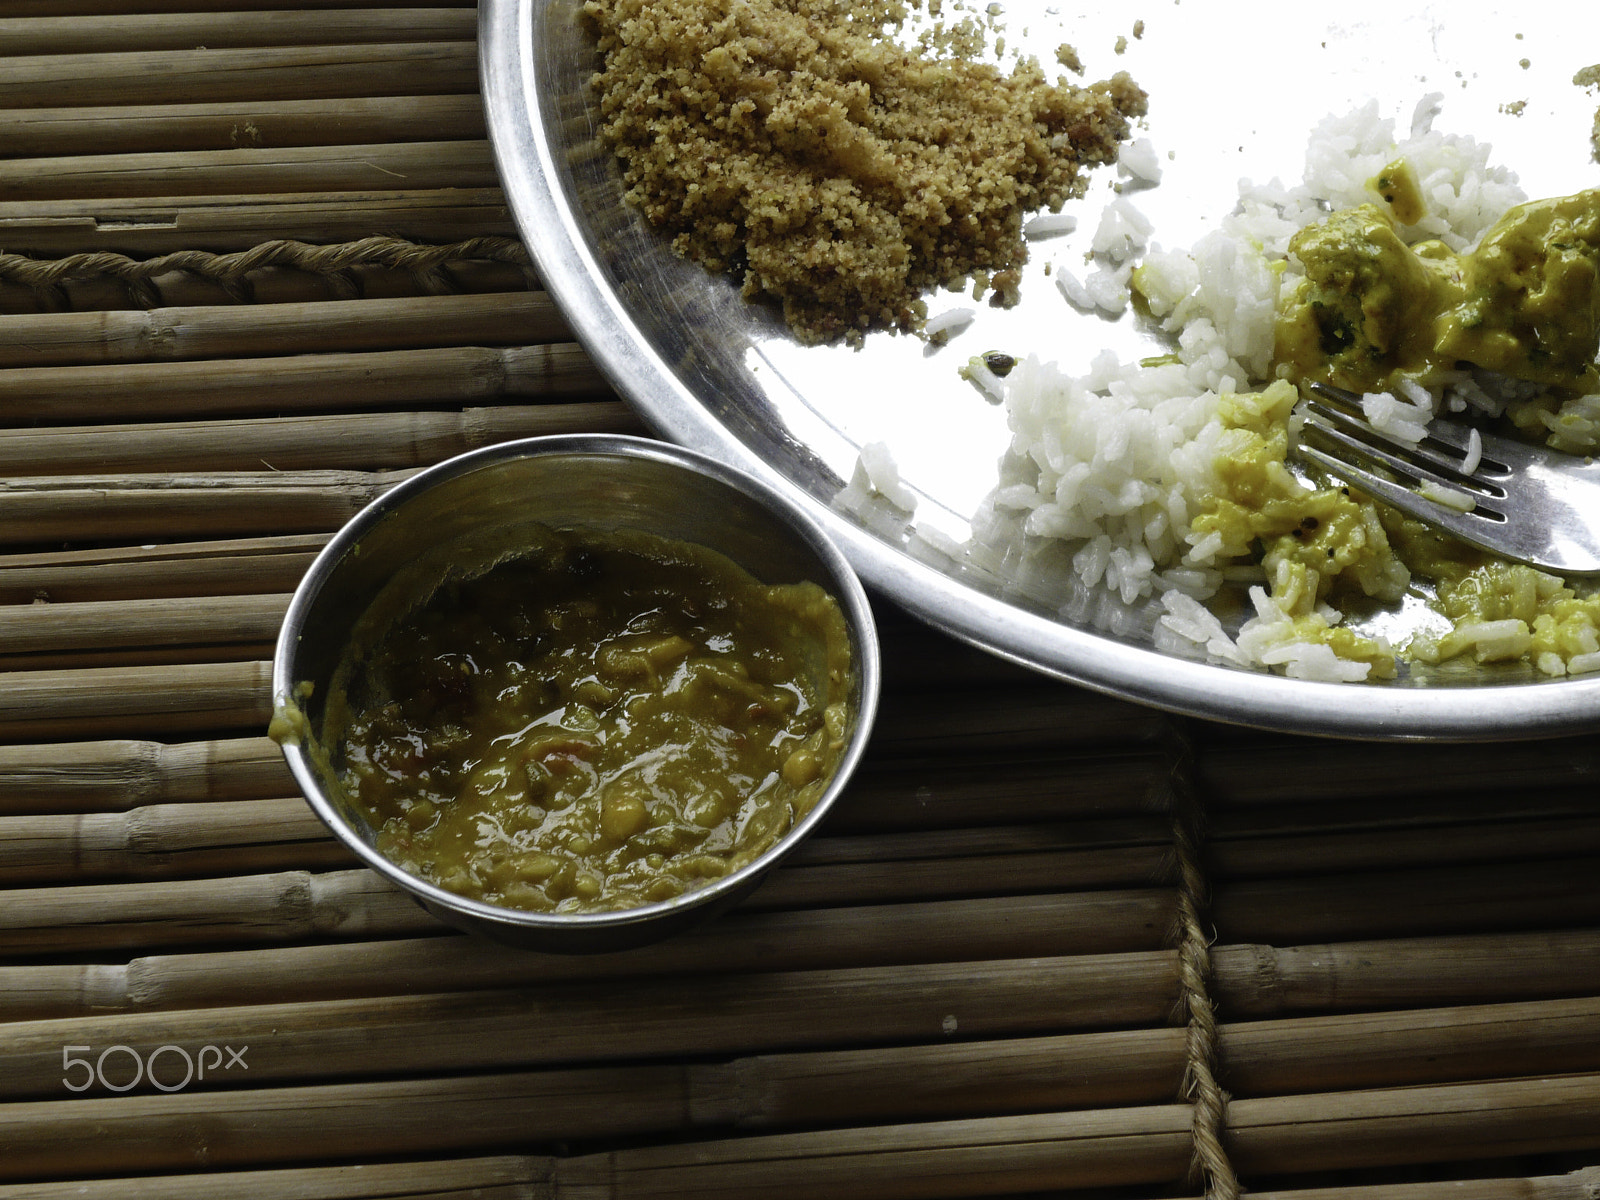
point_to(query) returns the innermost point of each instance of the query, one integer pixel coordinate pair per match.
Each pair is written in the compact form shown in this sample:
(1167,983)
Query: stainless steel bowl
(472,506)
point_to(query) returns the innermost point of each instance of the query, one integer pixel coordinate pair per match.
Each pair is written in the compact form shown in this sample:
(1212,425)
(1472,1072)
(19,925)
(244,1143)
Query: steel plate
(1235,90)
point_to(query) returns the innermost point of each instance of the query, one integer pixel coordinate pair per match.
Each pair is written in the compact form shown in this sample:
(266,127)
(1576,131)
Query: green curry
(605,722)
(1372,310)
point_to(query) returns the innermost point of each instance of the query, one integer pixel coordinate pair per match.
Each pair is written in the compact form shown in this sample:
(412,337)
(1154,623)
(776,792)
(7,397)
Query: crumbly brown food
(798,145)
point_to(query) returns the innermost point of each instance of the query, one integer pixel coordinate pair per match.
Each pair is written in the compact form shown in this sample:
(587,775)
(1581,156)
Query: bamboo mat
(254,269)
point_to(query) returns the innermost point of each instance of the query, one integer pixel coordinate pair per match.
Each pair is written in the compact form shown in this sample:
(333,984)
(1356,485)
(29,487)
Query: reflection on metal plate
(1235,90)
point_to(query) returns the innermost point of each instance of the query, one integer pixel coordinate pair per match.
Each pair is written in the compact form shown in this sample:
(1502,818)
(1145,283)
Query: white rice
(1125,454)
(883,476)
(1138,160)
(1049,225)
(951,320)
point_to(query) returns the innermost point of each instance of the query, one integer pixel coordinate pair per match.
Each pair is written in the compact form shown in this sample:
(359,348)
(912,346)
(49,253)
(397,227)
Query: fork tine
(1371,445)
(1470,527)
(1499,456)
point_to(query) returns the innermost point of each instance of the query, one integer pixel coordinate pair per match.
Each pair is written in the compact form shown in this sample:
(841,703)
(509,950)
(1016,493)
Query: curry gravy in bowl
(606,719)
(576,692)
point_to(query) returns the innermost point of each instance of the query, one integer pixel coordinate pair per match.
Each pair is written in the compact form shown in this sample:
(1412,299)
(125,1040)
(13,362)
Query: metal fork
(1522,502)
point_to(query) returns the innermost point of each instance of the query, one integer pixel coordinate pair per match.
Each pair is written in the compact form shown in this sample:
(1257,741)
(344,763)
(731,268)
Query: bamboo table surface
(254,269)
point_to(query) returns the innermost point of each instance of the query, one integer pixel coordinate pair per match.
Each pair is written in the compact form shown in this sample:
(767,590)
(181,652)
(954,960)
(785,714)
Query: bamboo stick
(143,656)
(896,791)
(1581,1184)
(147,129)
(337,168)
(1304,771)
(250,330)
(285,906)
(70,508)
(48,8)
(1494,898)
(1038,713)
(166,841)
(1405,1125)
(134,701)
(123,32)
(518,1177)
(257,73)
(1385,849)
(876,935)
(1490,898)
(383,379)
(345,441)
(1264,981)
(209,620)
(166,225)
(976,875)
(1249,981)
(1359,1051)
(121,775)
(585,1022)
(205,1128)
(274,564)
(1127,833)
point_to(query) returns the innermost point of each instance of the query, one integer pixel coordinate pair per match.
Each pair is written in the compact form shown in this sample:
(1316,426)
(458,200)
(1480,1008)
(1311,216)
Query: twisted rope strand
(231,270)
(1210,1161)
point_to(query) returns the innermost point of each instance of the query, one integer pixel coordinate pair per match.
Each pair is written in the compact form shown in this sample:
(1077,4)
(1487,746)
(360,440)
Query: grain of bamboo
(283,906)
(1055,925)
(244,331)
(134,701)
(896,791)
(1250,981)
(1497,897)
(1012,717)
(257,73)
(527,1178)
(346,441)
(315,382)
(104,33)
(49,8)
(168,841)
(1582,1184)
(111,776)
(1331,852)
(1302,771)
(205,568)
(1415,1125)
(1488,898)
(580,1022)
(205,621)
(164,225)
(196,1129)
(974,875)
(336,168)
(70,508)
(518,1177)
(1267,981)
(146,129)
